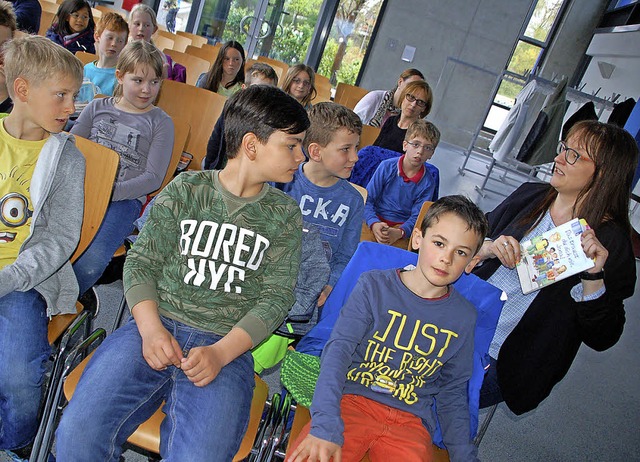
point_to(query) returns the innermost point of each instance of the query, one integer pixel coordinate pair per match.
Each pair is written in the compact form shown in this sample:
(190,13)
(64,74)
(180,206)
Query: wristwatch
(591,276)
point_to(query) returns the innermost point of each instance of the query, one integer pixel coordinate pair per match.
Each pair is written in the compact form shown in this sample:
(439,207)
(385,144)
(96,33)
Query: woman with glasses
(415,103)
(300,83)
(73,27)
(539,334)
(377,106)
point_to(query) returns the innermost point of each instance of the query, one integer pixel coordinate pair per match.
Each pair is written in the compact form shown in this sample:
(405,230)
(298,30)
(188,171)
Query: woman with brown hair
(378,105)
(539,334)
(415,103)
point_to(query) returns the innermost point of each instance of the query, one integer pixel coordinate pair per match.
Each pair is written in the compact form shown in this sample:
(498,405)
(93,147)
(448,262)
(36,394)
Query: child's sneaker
(90,301)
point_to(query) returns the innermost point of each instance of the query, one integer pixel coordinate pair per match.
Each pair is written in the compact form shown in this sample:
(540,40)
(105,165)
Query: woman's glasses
(570,154)
(412,99)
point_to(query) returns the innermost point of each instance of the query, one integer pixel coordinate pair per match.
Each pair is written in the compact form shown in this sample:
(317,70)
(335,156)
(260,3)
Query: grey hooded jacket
(57,193)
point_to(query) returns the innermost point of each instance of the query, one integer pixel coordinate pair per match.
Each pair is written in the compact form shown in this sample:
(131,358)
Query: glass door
(287,28)
(332,35)
(279,29)
(224,20)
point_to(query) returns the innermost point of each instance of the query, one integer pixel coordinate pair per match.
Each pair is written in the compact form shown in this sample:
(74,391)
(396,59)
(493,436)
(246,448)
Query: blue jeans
(116,226)
(24,350)
(490,393)
(119,390)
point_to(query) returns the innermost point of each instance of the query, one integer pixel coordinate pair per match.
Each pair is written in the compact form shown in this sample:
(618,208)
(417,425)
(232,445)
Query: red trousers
(385,433)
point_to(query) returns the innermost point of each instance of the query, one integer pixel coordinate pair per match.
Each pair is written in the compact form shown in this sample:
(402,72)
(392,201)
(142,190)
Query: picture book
(553,256)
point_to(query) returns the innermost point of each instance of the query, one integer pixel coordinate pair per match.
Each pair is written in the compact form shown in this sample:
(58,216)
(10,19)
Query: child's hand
(159,348)
(202,365)
(594,249)
(314,449)
(394,235)
(380,231)
(324,294)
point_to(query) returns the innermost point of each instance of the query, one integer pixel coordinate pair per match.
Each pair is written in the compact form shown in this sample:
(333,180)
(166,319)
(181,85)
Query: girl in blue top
(73,27)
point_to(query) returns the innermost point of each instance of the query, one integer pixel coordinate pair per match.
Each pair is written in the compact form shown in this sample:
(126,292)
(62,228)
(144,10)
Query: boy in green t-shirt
(210,276)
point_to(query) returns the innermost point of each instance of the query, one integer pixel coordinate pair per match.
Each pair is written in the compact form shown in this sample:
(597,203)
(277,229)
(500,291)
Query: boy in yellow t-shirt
(41,204)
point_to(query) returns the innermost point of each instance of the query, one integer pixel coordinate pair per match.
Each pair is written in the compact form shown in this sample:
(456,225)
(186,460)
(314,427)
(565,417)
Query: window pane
(174,14)
(542,19)
(495,118)
(348,40)
(524,58)
(224,20)
(291,23)
(507,93)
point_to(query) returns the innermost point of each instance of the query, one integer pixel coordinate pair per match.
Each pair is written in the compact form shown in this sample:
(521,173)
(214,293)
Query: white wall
(621,49)
(479,32)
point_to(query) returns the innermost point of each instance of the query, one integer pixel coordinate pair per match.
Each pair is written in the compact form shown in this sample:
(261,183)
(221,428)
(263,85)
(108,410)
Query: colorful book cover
(552,256)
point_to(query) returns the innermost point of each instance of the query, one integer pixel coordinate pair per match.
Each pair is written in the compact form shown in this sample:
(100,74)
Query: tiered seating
(195,66)
(180,43)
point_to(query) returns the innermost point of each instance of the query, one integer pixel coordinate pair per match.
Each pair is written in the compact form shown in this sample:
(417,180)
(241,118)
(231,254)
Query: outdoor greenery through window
(288,26)
(348,40)
(525,57)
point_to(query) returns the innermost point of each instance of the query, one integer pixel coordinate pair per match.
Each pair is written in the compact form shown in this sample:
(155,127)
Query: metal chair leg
(485,425)
(47,426)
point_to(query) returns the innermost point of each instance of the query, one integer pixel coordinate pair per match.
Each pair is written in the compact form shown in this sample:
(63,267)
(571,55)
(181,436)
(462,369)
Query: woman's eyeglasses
(570,154)
(412,99)
(77,16)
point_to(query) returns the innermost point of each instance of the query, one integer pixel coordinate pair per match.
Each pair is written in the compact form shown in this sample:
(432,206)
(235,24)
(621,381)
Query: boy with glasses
(400,186)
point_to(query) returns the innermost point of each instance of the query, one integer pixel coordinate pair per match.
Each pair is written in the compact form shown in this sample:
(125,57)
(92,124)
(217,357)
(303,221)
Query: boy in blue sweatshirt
(399,187)
(402,339)
(327,200)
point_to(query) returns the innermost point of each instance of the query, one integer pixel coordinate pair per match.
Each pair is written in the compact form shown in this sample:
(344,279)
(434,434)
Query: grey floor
(592,415)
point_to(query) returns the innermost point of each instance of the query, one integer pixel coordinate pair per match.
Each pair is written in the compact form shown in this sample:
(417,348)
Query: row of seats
(197,55)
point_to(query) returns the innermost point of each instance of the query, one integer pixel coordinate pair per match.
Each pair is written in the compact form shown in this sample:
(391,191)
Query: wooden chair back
(275,63)
(423,212)
(105,9)
(195,66)
(162,42)
(49,7)
(179,100)
(202,53)
(147,435)
(363,191)
(349,95)
(86,58)
(212,49)
(196,40)
(97,14)
(369,135)
(180,43)
(181,131)
(365,232)
(45,22)
(101,167)
(323,87)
